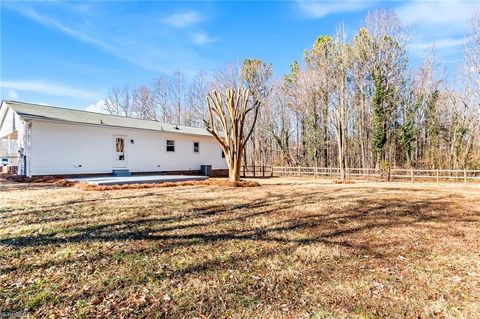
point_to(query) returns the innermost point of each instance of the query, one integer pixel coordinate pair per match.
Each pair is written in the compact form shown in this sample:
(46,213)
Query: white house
(46,140)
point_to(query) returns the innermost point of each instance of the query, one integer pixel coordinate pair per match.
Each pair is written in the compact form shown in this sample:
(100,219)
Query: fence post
(285,168)
(299,171)
(263,170)
(330,169)
(438,178)
(465,175)
(368,173)
(411,173)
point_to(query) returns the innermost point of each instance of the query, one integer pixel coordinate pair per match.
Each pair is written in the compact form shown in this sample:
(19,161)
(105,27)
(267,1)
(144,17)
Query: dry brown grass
(58,181)
(290,249)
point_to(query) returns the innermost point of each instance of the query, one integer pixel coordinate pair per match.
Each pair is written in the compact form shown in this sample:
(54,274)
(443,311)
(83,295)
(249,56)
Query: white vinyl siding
(69,148)
(10,123)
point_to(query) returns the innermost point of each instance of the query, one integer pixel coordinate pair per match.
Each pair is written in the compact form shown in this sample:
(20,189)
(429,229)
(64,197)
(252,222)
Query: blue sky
(72,53)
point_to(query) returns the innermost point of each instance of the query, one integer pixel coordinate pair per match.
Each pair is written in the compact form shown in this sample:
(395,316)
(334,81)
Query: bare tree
(177,96)
(382,42)
(278,120)
(161,95)
(144,104)
(340,106)
(120,101)
(227,119)
(197,110)
(255,75)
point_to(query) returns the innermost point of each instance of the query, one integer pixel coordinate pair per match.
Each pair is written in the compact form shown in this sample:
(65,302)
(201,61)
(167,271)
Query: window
(170,146)
(120,149)
(196,147)
(223,154)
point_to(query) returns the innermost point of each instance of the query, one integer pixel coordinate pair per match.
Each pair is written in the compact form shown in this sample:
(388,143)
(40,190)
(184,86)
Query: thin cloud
(443,25)
(98,107)
(12,94)
(320,9)
(51,23)
(47,88)
(202,38)
(54,24)
(147,52)
(445,43)
(453,15)
(183,19)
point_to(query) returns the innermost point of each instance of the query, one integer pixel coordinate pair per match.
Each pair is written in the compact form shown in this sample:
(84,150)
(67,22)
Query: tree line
(354,101)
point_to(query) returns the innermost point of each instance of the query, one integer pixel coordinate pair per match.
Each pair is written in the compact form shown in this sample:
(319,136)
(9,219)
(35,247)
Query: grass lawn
(292,248)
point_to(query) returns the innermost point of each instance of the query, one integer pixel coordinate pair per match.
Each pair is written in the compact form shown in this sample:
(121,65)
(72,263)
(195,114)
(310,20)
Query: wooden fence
(257,171)
(365,173)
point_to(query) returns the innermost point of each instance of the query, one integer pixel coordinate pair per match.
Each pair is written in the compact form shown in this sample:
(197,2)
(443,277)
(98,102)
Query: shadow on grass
(287,223)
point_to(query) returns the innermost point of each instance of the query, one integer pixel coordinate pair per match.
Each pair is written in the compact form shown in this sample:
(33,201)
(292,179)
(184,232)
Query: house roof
(38,111)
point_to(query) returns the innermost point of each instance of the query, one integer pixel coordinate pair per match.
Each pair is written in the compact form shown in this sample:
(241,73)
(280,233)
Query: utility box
(206,170)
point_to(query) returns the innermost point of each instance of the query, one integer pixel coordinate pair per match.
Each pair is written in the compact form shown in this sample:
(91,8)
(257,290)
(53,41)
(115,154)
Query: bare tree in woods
(227,123)
(120,101)
(255,75)
(473,57)
(161,94)
(290,88)
(144,104)
(466,104)
(319,64)
(177,96)
(382,42)
(279,121)
(226,78)
(362,106)
(196,100)
(340,105)
(306,91)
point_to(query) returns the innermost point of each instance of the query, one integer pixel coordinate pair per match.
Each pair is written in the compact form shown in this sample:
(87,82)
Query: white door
(120,151)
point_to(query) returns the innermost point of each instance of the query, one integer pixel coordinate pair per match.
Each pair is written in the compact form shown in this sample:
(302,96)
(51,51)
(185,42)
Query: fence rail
(257,171)
(464,175)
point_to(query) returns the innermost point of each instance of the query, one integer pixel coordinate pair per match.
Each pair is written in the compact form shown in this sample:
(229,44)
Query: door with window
(120,152)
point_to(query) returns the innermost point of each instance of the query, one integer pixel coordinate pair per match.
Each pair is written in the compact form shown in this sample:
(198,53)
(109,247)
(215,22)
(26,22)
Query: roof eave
(36,117)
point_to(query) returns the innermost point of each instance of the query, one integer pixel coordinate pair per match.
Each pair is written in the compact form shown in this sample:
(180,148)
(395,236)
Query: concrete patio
(146,179)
